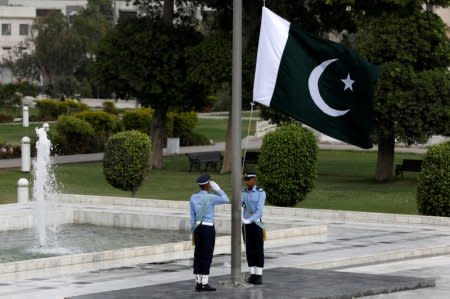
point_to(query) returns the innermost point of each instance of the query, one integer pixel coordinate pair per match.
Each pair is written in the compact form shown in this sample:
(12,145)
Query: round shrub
(287,165)
(138,119)
(433,190)
(127,160)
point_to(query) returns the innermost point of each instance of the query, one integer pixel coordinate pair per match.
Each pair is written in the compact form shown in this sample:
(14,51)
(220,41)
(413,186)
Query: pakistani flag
(318,82)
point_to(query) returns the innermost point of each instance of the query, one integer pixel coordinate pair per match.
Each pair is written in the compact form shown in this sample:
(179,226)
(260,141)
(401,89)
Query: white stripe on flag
(273,37)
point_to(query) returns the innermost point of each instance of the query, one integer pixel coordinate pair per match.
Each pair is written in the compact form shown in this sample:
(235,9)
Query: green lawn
(13,133)
(345,182)
(215,129)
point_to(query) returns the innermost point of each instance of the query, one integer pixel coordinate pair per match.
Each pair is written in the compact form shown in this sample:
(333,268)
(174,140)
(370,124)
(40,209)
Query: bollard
(25,116)
(26,154)
(22,190)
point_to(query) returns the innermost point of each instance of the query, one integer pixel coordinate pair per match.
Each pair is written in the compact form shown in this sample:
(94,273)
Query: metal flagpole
(236,171)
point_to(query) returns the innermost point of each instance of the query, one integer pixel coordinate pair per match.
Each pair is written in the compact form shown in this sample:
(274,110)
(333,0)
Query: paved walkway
(281,283)
(251,143)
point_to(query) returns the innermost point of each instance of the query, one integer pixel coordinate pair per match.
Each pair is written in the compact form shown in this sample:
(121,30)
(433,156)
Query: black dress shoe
(257,280)
(206,288)
(198,287)
(251,279)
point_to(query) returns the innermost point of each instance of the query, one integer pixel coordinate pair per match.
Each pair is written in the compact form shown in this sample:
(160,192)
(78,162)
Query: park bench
(208,158)
(250,158)
(408,165)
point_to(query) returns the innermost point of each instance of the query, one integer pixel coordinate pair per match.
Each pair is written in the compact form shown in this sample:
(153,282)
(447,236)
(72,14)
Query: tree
(127,160)
(411,47)
(145,59)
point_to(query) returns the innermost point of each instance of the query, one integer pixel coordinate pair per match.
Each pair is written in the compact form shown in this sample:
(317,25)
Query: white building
(17,17)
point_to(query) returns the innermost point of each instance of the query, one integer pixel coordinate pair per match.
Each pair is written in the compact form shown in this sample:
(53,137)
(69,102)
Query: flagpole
(236,171)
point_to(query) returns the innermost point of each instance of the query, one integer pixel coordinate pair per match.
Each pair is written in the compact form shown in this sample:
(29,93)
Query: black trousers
(254,244)
(205,238)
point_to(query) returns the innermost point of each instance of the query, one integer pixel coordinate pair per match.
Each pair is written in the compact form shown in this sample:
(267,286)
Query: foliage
(143,58)
(104,124)
(287,164)
(6,117)
(8,96)
(109,107)
(127,160)
(74,135)
(138,119)
(181,124)
(433,190)
(194,139)
(52,109)
(412,49)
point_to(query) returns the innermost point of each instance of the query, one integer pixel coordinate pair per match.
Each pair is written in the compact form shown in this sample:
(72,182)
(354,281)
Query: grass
(13,133)
(214,129)
(345,182)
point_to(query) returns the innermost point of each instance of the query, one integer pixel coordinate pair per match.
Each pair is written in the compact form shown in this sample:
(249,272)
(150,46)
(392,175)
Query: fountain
(44,188)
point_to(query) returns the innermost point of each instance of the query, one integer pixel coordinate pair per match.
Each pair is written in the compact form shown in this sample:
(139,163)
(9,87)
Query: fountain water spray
(43,187)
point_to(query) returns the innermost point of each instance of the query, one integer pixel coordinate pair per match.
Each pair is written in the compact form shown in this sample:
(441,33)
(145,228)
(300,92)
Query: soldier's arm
(192,212)
(220,198)
(259,207)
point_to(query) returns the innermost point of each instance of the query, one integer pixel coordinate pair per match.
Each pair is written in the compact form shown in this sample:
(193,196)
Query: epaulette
(259,189)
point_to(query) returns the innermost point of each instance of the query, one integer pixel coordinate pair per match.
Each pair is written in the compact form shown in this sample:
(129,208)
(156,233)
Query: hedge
(52,109)
(433,190)
(138,119)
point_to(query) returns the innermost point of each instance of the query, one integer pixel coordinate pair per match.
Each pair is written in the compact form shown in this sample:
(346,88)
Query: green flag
(316,81)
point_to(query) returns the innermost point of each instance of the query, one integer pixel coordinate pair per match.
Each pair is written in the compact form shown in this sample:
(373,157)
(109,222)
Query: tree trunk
(227,157)
(168,12)
(158,135)
(385,161)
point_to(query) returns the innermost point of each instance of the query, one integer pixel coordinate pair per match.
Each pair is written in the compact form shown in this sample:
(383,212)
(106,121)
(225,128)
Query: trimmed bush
(194,139)
(127,160)
(287,165)
(181,124)
(74,136)
(138,119)
(433,190)
(109,107)
(104,124)
(48,109)
(52,109)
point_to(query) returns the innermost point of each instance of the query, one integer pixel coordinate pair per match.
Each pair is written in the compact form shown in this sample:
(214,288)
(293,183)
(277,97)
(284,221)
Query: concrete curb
(381,258)
(315,214)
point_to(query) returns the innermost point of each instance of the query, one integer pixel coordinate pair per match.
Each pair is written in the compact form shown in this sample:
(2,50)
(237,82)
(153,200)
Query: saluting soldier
(202,225)
(252,200)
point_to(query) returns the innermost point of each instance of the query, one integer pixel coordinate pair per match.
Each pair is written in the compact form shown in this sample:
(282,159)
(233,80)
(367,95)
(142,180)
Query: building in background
(17,18)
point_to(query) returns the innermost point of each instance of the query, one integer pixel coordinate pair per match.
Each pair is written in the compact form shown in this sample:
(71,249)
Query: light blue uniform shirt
(256,199)
(196,203)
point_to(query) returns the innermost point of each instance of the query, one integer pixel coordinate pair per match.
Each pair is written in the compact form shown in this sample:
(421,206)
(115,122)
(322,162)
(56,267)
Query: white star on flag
(348,83)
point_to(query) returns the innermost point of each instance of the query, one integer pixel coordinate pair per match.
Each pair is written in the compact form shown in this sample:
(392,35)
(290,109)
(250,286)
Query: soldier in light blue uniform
(252,200)
(202,225)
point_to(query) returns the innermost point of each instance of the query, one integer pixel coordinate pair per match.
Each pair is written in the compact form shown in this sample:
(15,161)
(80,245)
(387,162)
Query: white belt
(205,223)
